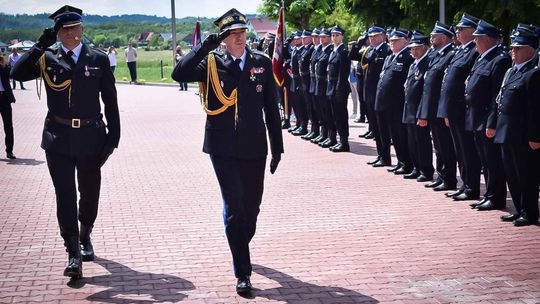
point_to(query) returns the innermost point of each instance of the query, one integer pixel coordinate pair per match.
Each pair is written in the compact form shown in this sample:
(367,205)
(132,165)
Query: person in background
(178,56)
(112,57)
(131,59)
(6,99)
(352,81)
(12,59)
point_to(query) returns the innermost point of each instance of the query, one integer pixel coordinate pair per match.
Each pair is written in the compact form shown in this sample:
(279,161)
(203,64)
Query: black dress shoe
(311,135)
(382,163)
(413,175)
(357,120)
(362,119)
(87,251)
(488,205)
(509,217)
(454,193)
(394,168)
(480,202)
(10,155)
(243,285)
(319,140)
(404,170)
(444,187)
(305,136)
(434,183)
(285,124)
(364,135)
(466,196)
(328,143)
(292,129)
(340,148)
(373,161)
(370,136)
(422,178)
(300,131)
(523,221)
(74,267)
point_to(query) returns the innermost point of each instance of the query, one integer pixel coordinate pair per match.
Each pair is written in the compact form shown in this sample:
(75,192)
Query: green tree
(299,14)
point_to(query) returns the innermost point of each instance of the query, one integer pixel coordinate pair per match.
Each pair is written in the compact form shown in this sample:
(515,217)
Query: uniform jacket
(90,78)
(482,87)
(314,58)
(304,64)
(517,109)
(321,71)
(4,75)
(295,68)
(414,86)
(339,67)
(390,93)
(452,100)
(374,58)
(432,82)
(257,103)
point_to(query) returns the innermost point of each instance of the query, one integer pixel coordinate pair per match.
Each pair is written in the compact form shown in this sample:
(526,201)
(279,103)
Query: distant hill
(25,21)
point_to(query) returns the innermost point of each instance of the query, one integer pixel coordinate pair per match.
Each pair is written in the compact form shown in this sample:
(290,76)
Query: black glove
(107,151)
(214,40)
(274,162)
(47,39)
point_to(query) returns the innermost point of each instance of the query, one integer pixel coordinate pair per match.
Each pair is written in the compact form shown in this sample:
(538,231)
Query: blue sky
(202,8)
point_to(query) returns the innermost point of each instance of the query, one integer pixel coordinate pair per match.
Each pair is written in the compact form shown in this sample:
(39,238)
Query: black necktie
(69,57)
(237,65)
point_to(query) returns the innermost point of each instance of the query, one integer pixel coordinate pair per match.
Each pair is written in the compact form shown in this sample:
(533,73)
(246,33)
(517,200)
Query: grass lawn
(148,66)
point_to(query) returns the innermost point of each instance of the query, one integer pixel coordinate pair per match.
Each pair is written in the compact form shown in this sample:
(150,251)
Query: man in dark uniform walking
(517,113)
(6,99)
(452,109)
(75,137)
(241,88)
(481,89)
(338,89)
(441,38)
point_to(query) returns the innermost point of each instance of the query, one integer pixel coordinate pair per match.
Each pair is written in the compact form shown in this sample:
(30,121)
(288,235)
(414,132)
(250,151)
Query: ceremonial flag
(277,57)
(197,33)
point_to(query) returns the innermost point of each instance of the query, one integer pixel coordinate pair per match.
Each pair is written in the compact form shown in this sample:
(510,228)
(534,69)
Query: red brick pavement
(332,229)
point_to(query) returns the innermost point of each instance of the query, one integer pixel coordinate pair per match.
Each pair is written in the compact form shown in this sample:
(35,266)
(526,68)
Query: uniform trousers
(521,165)
(420,149)
(444,151)
(314,113)
(62,169)
(338,103)
(241,182)
(7,119)
(374,128)
(493,168)
(327,119)
(391,130)
(467,157)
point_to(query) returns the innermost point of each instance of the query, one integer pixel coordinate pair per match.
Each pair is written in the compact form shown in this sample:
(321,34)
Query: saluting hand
(47,39)
(274,162)
(214,40)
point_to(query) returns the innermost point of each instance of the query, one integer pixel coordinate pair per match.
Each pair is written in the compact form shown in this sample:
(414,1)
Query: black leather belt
(76,123)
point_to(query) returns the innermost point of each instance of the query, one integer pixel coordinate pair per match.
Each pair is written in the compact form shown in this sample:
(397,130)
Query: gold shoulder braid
(57,87)
(364,65)
(212,79)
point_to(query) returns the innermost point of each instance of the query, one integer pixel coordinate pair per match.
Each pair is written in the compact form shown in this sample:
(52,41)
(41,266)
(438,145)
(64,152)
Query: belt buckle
(75,123)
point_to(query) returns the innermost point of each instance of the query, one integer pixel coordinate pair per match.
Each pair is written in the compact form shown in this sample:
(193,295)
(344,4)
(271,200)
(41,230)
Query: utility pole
(441,11)
(173,17)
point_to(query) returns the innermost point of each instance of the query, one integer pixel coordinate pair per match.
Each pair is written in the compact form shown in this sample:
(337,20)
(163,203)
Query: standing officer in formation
(75,138)
(321,72)
(389,101)
(305,80)
(452,109)
(314,106)
(241,88)
(296,92)
(517,113)
(374,57)
(338,89)
(441,38)
(481,89)
(357,52)
(418,138)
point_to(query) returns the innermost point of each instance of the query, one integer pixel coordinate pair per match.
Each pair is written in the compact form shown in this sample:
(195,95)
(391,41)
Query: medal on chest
(254,71)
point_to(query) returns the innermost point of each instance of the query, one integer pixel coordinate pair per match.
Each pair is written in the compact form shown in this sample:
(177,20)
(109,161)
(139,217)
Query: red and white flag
(277,57)
(196,33)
